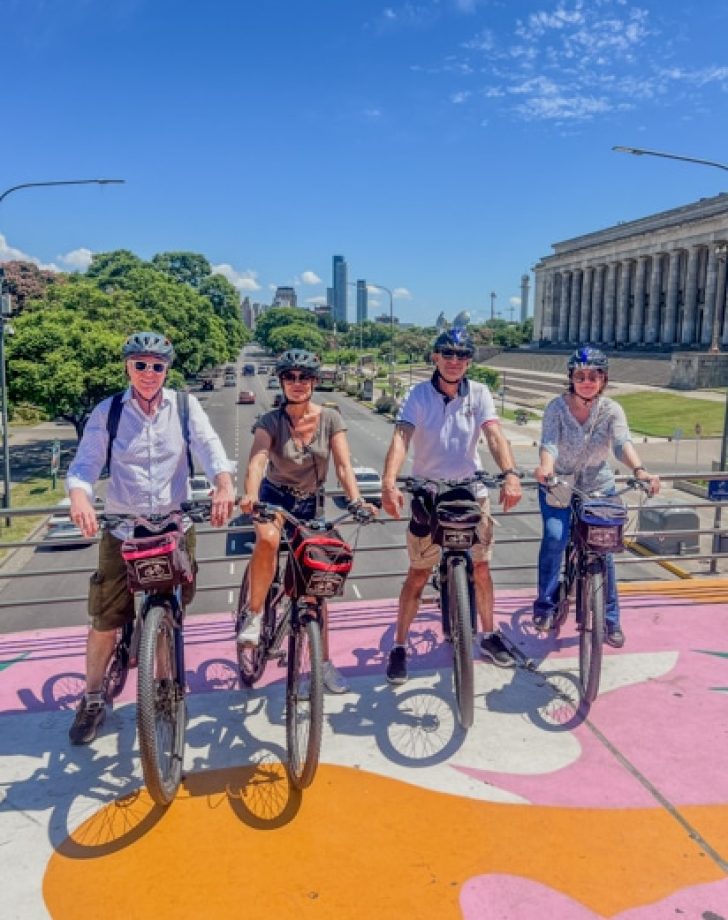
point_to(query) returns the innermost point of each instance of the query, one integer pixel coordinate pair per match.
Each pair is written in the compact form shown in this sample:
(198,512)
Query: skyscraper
(339,275)
(362,301)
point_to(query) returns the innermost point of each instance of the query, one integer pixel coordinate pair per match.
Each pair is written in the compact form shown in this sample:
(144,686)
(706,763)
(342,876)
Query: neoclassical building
(655,282)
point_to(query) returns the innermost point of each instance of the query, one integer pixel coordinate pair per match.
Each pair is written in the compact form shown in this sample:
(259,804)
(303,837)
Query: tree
(108,268)
(281,316)
(24,281)
(296,335)
(186,267)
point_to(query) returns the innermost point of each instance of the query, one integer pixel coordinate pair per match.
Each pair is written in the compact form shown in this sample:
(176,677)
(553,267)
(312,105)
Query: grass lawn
(659,414)
(28,494)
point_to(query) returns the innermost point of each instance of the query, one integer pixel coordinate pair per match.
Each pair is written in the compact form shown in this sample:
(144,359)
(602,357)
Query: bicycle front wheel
(253,659)
(161,711)
(304,702)
(461,636)
(590,621)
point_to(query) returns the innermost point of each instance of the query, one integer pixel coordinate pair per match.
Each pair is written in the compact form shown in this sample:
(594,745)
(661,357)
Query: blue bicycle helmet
(456,337)
(148,343)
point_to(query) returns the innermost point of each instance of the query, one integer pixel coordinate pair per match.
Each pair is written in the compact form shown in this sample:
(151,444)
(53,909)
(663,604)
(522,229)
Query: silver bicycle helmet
(148,343)
(297,359)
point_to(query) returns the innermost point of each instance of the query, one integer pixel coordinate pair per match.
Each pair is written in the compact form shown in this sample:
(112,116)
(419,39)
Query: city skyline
(442,145)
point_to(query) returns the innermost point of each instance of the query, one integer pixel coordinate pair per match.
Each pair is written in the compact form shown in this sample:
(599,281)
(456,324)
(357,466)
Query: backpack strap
(112,425)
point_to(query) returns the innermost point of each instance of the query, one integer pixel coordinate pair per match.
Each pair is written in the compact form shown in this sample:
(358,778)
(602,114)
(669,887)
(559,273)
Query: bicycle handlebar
(265,511)
(631,483)
(415,483)
(198,511)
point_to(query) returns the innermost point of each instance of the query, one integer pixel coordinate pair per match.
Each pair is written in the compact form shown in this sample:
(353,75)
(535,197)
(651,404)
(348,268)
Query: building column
(673,277)
(652,331)
(711,281)
(720,302)
(610,292)
(577,278)
(621,333)
(567,279)
(537,305)
(595,333)
(636,331)
(547,330)
(691,297)
(585,307)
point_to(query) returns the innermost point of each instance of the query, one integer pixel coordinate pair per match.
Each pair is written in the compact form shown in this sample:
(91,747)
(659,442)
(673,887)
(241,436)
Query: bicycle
(449,508)
(316,566)
(157,565)
(596,528)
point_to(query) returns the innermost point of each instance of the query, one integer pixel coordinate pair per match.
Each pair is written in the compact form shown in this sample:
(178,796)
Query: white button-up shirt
(149,472)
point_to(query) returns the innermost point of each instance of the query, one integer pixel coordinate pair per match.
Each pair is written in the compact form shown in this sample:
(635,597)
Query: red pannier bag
(156,562)
(318,563)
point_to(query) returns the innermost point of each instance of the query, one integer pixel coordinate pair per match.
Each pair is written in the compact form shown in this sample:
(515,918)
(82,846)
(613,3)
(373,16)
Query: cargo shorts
(424,554)
(110,602)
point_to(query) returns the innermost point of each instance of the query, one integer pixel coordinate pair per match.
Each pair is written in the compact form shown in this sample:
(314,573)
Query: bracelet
(638,469)
(512,472)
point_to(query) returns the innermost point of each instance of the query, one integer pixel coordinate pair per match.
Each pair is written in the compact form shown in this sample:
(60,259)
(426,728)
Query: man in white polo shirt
(442,418)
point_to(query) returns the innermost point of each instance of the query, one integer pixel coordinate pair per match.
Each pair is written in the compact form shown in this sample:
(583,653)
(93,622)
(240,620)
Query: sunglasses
(455,353)
(593,377)
(157,366)
(293,377)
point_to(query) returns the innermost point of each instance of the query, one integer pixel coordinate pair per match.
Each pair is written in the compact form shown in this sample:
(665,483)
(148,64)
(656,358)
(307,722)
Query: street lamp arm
(14,188)
(641,151)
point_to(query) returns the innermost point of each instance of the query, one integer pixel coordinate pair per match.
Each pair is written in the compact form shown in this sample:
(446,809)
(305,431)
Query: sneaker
(542,621)
(249,632)
(614,636)
(494,649)
(334,679)
(89,718)
(397,665)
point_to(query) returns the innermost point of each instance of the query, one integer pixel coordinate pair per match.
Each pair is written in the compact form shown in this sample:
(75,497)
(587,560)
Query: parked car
(200,487)
(274,383)
(248,369)
(246,397)
(370,484)
(59,526)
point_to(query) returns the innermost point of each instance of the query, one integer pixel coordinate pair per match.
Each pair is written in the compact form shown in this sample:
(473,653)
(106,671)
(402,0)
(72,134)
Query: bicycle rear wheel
(253,659)
(161,710)
(590,621)
(461,636)
(304,702)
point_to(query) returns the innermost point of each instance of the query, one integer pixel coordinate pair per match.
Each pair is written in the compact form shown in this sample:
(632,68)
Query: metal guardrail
(716,531)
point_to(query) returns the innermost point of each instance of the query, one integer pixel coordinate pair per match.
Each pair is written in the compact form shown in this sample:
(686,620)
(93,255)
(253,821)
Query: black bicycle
(157,565)
(596,529)
(449,511)
(314,567)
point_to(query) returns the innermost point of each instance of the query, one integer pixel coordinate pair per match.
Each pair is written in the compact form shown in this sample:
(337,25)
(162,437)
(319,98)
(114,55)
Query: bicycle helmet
(456,337)
(586,356)
(297,359)
(148,343)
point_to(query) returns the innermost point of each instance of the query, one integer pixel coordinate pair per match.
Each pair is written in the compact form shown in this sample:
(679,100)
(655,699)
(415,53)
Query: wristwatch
(513,471)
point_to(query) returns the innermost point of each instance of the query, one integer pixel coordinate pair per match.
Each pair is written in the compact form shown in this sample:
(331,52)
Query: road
(381,559)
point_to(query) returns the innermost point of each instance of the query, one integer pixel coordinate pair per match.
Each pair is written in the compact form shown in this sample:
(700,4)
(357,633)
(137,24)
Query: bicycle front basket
(601,525)
(457,515)
(318,563)
(156,563)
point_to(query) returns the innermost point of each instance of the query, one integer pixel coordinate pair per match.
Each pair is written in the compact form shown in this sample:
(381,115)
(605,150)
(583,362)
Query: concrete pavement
(538,812)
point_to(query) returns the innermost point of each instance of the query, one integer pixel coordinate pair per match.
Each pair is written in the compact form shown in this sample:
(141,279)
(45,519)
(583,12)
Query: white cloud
(10,254)
(316,301)
(459,98)
(401,293)
(243,281)
(514,301)
(77,259)
(309,277)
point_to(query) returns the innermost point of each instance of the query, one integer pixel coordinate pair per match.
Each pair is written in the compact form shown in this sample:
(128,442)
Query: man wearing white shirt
(148,475)
(442,419)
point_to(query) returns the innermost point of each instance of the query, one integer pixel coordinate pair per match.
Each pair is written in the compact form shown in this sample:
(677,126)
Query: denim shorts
(306,509)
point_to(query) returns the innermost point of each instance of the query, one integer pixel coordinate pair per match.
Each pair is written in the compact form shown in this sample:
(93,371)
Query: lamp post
(391,330)
(4,313)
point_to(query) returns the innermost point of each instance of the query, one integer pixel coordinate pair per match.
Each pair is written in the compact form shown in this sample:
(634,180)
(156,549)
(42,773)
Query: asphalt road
(54,574)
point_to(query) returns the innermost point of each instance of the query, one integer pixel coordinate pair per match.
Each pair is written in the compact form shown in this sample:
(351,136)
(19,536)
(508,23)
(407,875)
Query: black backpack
(112,424)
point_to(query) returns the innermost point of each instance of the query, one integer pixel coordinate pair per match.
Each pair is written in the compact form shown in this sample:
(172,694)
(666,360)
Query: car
(208,384)
(59,526)
(274,383)
(277,400)
(248,369)
(230,381)
(370,484)
(200,487)
(262,369)
(246,397)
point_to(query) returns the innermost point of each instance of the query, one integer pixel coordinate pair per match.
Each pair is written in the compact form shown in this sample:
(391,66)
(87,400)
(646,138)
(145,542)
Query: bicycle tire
(590,600)
(117,670)
(252,659)
(461,637)
(161,710)
(304,702)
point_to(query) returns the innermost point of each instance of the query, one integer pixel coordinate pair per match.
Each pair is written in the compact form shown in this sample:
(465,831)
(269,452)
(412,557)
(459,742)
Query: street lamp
(640,151)
(391,327)
(4,313)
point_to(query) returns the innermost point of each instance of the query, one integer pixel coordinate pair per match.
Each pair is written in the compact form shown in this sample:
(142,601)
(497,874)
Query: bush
(24,413)
(485,375)
(386,405)
(381,373)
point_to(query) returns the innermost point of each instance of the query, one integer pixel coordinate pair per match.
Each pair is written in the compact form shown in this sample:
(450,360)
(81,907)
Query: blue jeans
(550,556)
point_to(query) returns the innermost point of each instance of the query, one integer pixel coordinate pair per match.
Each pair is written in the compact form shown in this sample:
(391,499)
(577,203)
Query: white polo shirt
(446,431)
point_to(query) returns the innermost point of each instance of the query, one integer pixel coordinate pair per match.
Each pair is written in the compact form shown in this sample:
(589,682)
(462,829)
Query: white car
(59,526)
(370,484)
(200,488)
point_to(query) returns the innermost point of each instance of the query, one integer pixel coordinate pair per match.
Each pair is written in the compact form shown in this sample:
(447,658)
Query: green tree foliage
(281,316)
(367,335)
(296,335)
(485,375)
(225,302)
(185,267)
(107,268)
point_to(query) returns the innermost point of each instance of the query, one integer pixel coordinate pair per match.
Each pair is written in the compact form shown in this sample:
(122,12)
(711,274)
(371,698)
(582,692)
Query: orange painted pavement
(240,843)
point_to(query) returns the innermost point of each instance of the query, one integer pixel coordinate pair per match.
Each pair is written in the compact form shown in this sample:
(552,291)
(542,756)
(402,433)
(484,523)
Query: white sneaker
(333,679)
(249,632)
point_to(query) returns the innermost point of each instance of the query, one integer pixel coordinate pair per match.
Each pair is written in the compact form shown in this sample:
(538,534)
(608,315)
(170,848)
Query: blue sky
(441,146)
